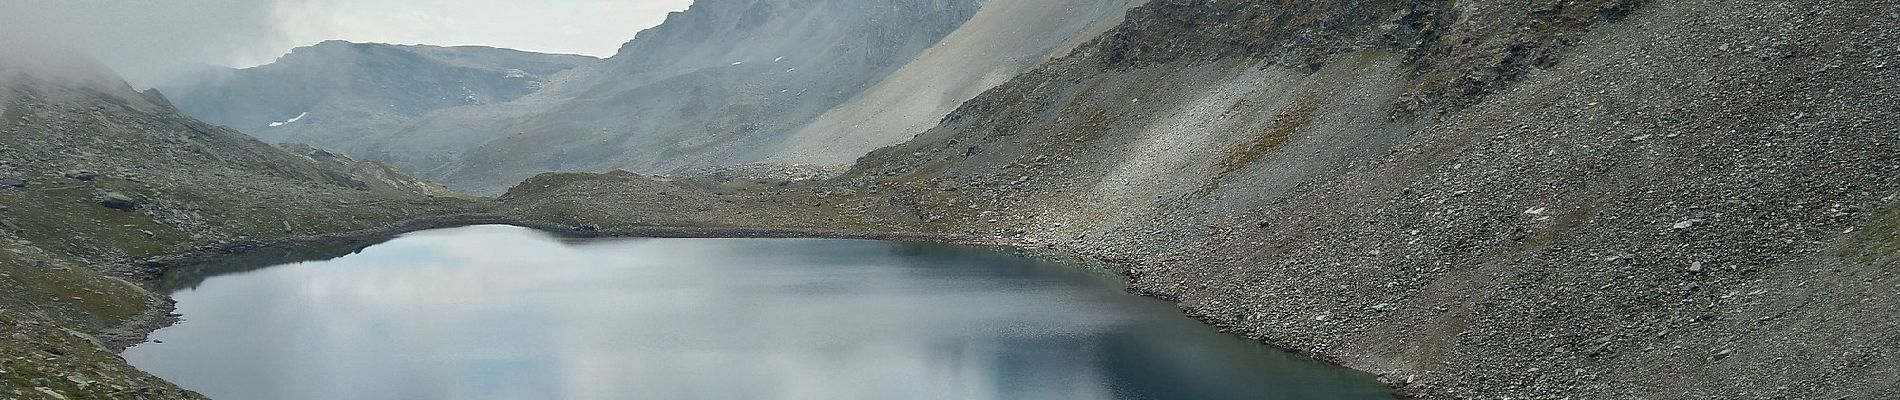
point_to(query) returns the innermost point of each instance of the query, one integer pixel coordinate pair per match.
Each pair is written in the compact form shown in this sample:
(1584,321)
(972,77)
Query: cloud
(149,41)
(592,27)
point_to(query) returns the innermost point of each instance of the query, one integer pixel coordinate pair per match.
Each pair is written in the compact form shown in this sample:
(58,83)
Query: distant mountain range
(724,82)
(1538,199)
(332,93)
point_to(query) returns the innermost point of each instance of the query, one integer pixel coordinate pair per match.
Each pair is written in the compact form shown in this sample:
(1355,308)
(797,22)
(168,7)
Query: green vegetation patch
(1276,133)
(65,293)
(1877,241)
(55,215)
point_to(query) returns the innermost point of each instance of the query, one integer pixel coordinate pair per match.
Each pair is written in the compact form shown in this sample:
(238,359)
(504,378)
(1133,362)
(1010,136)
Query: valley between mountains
(1618,199)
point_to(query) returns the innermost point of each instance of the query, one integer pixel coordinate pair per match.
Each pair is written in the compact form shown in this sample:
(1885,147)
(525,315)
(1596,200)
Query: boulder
(81,175)
(12,183)
(118,201)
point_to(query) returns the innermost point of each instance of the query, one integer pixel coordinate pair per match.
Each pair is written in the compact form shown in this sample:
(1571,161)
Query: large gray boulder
(119,201)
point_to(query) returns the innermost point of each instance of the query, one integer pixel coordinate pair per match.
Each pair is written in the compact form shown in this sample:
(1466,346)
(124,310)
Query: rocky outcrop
(118,201)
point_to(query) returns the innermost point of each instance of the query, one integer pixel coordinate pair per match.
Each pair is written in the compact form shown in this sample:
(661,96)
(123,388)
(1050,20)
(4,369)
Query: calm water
(495,312)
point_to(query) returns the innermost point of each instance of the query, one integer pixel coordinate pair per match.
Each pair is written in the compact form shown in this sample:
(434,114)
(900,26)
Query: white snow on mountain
(291,120)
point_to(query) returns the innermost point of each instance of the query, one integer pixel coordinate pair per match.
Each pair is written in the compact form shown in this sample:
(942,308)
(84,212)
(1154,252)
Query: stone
(49,392)
(12,182)
(118,201)
(81,175)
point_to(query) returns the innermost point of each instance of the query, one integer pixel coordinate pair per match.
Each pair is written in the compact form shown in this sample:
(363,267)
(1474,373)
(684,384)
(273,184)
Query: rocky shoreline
(147,273)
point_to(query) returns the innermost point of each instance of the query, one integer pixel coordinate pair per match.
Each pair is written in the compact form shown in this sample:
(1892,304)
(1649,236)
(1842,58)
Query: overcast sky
(147,40)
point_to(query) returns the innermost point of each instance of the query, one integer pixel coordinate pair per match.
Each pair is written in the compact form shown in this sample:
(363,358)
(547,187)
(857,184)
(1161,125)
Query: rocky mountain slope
(97,179)
(725,82)
(711,86)
(1538,200)
(1004,38)
(330,94)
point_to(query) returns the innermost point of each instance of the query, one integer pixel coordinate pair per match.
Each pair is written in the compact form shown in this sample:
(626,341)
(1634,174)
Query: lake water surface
(498,312)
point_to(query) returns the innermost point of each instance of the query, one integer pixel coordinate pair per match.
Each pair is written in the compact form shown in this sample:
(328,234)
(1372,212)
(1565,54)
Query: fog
(147,41)
(151,41)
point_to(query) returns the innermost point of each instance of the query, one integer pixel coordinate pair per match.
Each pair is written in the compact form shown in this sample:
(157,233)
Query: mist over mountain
(149,42)
(724,82)
(1540,199)
(710,86)
(334,93)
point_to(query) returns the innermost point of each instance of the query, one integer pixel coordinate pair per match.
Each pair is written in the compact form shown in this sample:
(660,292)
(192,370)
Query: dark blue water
(496,312)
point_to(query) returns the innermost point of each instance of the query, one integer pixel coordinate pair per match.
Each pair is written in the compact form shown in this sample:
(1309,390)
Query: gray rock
(118,201)
(81,175)
(50,393)
(12,182)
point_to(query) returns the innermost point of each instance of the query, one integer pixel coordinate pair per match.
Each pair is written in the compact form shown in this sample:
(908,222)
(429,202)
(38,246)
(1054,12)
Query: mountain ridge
(331,93)
(734,82)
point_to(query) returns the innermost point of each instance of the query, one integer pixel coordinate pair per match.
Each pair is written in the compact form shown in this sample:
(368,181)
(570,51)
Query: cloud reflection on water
(495,312)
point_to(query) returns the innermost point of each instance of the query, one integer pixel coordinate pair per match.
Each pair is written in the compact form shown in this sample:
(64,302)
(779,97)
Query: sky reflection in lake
(495,312)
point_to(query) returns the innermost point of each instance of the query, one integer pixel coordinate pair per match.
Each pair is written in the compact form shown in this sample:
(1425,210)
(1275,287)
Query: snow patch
(778,59)
(790,70)
(738,63)
(291,120)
